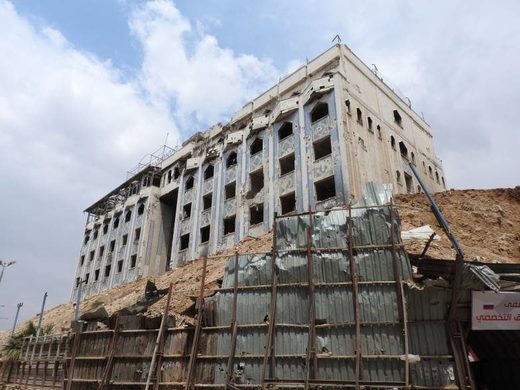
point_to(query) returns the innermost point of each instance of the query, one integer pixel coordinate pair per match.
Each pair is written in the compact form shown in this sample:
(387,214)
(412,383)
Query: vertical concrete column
(177,225)
(339,99)
(195,215)
(218,205)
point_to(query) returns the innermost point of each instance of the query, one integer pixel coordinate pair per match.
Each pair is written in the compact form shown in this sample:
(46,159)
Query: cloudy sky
(87,88)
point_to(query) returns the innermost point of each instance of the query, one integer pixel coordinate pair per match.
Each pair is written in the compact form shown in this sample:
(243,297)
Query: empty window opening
(101,251)
(257,146)
(78,281)
(204,234)
(208,173)
(430,170)
(137,234)
(206,201)
(116,223)
(443,183)
(369,121)
(86,278)
(133,261)
(409,183)
(169,176)
(107,271)
(437,176)
(424,167)
(378,128)
(125,239)
(322,148)
(230,190)
(285,130)
(347,104)
(189,183)
(397,118)
(403,149)
(96,275)
(140,209)
(398,177)
(185,241)
(392,141)
(325,189)
(82,260)
(91,255)
(186,211)
(176,173)
(286,164)
(112,245)
(229,225)
(320,111)
(256,214)
(105,228)
(231,160)
(256,180)
(120,266)
(288,203)
(413,157)
(359,116)
(87,237)
(128,216)
(95,233)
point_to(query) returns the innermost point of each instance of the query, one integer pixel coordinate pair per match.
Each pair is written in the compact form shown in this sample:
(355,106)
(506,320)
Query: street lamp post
(4,265)
(19,305)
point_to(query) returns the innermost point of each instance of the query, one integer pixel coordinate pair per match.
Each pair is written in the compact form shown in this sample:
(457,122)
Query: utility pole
(18,306)
(4,265)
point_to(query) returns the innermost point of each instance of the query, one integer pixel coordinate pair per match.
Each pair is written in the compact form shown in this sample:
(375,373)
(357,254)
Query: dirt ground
(486,222)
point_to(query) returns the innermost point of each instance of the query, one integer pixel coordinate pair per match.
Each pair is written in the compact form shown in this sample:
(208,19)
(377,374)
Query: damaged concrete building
(311,142)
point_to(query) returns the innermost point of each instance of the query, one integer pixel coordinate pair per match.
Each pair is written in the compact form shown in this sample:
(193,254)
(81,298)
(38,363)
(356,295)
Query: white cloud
(190,67)
(71,124)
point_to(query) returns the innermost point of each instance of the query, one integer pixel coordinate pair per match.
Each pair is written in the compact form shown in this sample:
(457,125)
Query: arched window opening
(369,120)
(347,104)
(257,146)
(285,130)
(116,222)
(140,209)
(320,110)
(128,216)
(437,177)
(430,170)
(176,173)
(169,176)
(392,141)
(398,176)
(397,118)
(231,160)
(208,173)
(403,149)
(189,183)
(443,182)
(379,134)
(359,116)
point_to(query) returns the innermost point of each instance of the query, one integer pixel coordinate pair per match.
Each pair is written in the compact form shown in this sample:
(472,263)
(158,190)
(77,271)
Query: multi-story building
(310,142)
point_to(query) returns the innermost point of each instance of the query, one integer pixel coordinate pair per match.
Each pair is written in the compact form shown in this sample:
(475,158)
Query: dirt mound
(186,281)
(486,222)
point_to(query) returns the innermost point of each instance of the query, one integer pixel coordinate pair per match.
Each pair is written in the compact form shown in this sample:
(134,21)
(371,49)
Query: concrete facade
(309,143)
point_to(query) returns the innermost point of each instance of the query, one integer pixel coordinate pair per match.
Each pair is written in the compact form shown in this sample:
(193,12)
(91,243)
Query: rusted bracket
(198,329)
(311,344)
(269,348)
(423,253)
(355,296)
(108,368)
(403,315)
(234,328)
